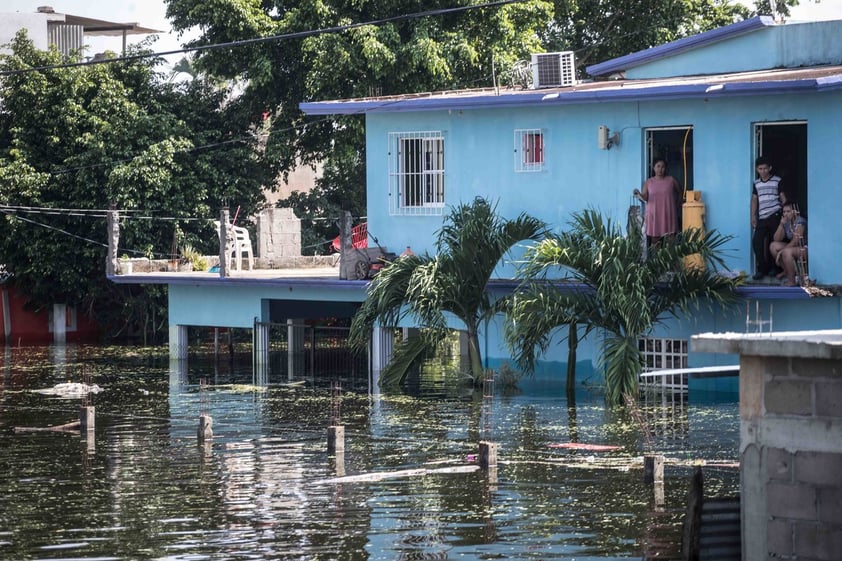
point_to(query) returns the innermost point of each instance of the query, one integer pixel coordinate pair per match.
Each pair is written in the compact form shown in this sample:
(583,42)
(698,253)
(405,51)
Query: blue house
(710,104)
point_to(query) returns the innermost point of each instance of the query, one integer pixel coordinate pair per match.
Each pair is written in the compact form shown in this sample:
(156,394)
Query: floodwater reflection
(265,487)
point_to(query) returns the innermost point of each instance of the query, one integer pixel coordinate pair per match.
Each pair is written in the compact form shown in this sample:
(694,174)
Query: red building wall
(27,327)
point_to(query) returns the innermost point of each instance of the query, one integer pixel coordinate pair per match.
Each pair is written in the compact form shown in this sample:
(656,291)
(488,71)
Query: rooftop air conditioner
(553,70)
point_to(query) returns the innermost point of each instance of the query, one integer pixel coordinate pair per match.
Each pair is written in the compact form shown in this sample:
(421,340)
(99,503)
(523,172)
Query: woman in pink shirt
(659,192)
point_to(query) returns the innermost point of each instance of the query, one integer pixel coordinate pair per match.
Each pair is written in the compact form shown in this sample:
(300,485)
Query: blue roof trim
(759,292)
(675,47)
(632,93)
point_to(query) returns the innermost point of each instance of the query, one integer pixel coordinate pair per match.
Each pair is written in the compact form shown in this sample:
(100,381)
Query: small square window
(529,150)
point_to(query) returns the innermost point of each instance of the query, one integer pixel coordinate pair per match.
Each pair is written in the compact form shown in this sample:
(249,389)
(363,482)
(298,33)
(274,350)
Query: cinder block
(818,541)
(779,464)
(797,502)
(829,399)
(780,537)
(830,505)
(817,368)
(788,397)
(818,468)
(776,366)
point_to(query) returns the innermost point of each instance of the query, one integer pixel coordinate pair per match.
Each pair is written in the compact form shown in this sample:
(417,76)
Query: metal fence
(318,354)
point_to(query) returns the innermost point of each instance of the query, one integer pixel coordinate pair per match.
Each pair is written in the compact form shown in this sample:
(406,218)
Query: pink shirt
(661,215)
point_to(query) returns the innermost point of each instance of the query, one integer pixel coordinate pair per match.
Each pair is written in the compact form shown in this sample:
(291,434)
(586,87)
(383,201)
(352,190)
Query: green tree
(406,55)
(469,246)
(81,138)
(606,284)
(600,30)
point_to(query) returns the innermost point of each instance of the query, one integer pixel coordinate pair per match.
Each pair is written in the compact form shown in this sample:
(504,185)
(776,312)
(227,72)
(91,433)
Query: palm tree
(608,283)
(469,246)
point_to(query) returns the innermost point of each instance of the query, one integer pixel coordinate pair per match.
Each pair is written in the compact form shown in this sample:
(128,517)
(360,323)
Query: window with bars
(529,150)
(416,172)
(663,354)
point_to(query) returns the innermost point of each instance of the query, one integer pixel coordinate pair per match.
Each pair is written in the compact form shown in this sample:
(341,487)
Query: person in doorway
(789,245)
(766,197)
(660,193)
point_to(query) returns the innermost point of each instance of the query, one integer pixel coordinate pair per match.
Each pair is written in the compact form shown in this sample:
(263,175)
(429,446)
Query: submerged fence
(316,353)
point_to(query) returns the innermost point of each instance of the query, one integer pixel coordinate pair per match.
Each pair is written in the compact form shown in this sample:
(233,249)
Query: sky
(152,14)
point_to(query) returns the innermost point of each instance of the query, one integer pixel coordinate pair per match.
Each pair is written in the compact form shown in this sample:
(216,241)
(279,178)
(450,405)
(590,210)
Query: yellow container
(693,216)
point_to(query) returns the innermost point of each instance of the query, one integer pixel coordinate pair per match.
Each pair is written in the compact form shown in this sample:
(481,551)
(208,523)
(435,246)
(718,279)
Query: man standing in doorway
(766,199)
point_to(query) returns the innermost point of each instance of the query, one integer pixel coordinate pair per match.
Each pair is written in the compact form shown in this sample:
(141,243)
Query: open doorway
(785,145)
(675,145)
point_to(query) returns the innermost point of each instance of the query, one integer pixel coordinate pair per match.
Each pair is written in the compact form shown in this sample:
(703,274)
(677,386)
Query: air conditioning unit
(553,70)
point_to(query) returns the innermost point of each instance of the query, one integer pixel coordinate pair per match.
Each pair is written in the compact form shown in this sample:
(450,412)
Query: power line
(257,40)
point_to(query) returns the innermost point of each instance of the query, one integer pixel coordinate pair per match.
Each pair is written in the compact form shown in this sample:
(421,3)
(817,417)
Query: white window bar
(664,354)
(416,173)
(529,150)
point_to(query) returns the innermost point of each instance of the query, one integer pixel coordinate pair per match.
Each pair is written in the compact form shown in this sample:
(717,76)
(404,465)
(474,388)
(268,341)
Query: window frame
(529,150)
(416,173)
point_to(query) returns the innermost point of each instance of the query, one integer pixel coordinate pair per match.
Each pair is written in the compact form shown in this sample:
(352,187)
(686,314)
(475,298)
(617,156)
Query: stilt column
(178,342)
(59,323)
(261,352)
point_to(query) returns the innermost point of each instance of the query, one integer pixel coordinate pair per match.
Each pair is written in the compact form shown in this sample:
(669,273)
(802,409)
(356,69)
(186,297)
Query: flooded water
(407,487)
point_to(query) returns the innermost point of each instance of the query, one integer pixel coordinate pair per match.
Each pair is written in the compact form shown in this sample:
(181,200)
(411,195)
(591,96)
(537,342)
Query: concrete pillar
(295,349)
(336,439)
(224,236)
(59,323)
(487,454)
(347,259)
(205,430)
(260,334)
(178,342)
(653,469)
(87,419)
(382,348)
(113,241)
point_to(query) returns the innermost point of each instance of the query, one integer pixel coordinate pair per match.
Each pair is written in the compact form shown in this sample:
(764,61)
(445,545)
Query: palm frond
(408,354)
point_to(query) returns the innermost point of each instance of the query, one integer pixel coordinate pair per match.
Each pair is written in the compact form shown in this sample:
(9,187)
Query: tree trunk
(475,355)
(572,345)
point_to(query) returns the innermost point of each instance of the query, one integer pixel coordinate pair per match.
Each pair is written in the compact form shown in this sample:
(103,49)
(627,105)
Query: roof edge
(674,47)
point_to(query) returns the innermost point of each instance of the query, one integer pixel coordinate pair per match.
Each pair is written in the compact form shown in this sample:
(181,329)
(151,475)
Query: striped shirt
(768,196)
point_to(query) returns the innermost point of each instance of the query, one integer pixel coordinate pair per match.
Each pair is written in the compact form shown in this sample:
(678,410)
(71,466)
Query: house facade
(709,104)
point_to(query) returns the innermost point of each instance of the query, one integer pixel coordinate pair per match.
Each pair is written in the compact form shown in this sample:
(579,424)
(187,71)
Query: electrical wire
(257,40)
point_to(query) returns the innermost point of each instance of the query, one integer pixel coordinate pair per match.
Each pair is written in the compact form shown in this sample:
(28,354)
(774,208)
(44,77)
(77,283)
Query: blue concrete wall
(479,162)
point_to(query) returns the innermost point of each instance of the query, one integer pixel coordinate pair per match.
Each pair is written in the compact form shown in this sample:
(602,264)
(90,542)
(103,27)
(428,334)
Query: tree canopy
(75,140)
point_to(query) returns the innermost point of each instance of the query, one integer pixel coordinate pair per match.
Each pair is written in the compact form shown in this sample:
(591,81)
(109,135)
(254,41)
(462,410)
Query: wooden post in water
(487,454)
(336,439)
(205,431)
(653,469)
(87,418)
(336,431)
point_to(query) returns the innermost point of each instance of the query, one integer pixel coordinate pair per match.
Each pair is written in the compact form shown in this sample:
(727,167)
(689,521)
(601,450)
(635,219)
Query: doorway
(785,145)
(675,145)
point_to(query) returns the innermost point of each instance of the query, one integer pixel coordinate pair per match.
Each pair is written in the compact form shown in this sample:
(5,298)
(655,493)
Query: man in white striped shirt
(767,196)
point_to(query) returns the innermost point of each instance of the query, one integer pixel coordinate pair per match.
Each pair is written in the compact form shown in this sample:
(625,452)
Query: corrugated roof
(764,82)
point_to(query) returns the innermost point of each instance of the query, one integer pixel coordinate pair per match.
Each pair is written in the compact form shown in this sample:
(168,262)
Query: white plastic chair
(238,244)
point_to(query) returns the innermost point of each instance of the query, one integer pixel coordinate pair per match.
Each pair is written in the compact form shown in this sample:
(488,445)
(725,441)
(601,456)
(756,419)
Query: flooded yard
(408,486)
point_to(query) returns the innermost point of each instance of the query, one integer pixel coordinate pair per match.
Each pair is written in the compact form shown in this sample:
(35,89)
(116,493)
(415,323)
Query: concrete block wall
(798,436)
(278,234)
(790,443)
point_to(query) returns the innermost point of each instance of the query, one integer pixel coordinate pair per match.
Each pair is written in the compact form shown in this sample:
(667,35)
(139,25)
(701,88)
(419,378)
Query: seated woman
(790,243)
